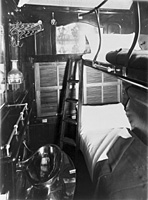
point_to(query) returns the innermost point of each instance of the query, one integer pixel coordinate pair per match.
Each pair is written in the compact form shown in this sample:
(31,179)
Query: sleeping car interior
(73,100)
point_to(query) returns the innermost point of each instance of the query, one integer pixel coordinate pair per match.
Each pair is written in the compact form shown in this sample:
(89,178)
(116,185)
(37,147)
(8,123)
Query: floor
(41,134)
(84,186)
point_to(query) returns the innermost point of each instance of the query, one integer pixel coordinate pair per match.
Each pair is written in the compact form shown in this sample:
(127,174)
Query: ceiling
(65,10)
(111,4)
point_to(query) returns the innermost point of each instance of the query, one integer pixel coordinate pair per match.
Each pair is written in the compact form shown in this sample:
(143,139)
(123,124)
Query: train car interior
(73,100)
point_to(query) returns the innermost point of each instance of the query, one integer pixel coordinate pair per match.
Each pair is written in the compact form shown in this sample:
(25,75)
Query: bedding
(137,112)
(96,144)
(96,117)
(119,164)
(115,152)
(101,126)
(127,180)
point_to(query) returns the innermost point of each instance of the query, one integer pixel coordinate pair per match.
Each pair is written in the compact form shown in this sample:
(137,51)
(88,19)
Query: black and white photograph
(73,99)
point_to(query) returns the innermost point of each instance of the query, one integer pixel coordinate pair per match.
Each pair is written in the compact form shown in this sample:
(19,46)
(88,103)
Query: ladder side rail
(80,102)
(63,98)
(65,86)
(73,88)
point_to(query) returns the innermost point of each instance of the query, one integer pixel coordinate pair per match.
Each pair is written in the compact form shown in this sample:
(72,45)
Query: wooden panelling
(49,102)
(43,42)
(98,87)
(61,74)
(93,76)
(94,95)
(48,74)
(110,94)
(109,78)
(48,83)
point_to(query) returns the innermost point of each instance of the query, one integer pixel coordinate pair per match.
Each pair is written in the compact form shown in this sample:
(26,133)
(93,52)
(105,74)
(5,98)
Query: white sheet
(95,145)
(103,117)
(101,126)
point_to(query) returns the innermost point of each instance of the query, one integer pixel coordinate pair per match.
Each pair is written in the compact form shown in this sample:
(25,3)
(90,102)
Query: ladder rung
(71,121)
(71,100)
(69,141)
(73,81)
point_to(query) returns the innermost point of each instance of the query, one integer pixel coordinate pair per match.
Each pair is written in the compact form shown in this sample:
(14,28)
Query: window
(71,39)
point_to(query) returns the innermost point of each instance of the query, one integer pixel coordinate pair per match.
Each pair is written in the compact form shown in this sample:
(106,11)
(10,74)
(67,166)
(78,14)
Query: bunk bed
(126,168)
(115,152)
(114,137)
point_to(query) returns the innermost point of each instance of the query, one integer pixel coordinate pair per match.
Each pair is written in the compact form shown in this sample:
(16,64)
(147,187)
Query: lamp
(15,76)
(53,20)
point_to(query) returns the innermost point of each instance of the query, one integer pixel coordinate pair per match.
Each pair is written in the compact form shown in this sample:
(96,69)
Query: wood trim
(56,58)
(37,88)
(84,85)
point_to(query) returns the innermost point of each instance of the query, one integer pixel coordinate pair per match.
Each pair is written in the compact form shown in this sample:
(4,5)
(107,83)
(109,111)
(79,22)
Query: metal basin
(44,165)
(48,174)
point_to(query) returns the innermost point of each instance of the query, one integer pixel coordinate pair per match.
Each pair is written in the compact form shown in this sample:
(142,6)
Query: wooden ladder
(72,101)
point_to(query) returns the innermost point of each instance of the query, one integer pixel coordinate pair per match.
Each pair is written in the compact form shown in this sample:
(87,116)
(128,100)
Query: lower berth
(115,155)
(97,144)
(123,177)
(101,127)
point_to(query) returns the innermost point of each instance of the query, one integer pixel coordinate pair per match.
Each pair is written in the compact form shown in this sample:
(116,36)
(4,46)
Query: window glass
(117,31)
(71,39)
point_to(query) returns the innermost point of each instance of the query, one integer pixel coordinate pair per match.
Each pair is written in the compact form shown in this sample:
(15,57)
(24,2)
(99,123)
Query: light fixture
(53,20)
(15,76)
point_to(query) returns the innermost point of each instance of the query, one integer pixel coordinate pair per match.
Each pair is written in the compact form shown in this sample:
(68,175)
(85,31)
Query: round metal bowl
(43,166)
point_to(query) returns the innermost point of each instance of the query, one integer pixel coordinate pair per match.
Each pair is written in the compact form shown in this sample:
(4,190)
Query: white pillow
(104,117)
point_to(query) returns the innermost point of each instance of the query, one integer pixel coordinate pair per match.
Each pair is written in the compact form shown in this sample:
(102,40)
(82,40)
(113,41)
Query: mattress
(101,127)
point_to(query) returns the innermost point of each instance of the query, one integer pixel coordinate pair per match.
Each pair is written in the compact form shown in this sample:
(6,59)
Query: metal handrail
(111,70)
(98,24)
(100,39)
(137,32)
(94,9)
(15,127)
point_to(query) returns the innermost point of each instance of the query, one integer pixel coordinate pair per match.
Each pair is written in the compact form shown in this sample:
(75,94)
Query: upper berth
(137,68)
(123,52)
